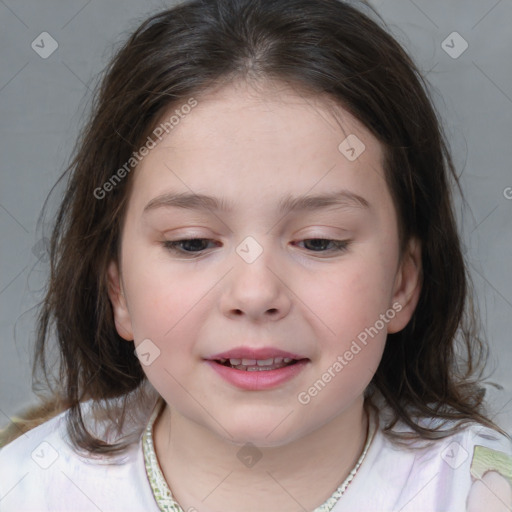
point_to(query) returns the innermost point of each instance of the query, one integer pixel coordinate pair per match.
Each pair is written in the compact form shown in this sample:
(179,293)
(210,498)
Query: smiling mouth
(258,365)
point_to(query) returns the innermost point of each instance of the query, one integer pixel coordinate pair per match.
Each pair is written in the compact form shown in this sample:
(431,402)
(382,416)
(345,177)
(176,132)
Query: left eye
(322,244)
(189,245)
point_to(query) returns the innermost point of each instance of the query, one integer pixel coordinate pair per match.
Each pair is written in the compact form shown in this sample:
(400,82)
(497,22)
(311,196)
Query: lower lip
(260,379)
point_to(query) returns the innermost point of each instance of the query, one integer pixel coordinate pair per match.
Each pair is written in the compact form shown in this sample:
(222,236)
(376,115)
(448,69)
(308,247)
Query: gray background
(43,102)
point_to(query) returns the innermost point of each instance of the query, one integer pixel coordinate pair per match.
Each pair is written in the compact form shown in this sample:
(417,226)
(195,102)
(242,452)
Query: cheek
(353,308)
(352,297)
(164,307)
(160,294)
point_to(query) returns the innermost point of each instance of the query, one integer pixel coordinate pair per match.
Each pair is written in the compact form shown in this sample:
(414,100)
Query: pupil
(318,243)
(196,243)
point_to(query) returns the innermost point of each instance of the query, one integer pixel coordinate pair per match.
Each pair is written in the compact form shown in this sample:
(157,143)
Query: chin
(264,431)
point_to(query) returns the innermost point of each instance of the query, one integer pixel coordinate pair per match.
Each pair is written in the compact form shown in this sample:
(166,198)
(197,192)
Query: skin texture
(252,147)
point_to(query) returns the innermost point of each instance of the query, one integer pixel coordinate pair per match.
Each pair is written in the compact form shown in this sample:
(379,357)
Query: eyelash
(174,246)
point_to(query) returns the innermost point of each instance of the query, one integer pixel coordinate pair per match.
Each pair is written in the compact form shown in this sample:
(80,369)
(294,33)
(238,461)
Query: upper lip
(255,353)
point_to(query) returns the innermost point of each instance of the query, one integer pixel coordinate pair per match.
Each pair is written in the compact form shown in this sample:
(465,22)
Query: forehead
(241,141)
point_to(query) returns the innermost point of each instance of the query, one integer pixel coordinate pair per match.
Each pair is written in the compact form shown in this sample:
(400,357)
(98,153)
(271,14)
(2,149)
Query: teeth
(258,362)
(254,365)
(258,368)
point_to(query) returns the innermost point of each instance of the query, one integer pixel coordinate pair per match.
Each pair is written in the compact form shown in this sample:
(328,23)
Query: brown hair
(433,367)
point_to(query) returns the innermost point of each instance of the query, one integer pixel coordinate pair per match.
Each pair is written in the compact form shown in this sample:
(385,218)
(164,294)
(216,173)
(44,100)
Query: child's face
(331,307)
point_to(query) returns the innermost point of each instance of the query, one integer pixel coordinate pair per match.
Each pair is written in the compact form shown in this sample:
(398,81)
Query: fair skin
(251,148)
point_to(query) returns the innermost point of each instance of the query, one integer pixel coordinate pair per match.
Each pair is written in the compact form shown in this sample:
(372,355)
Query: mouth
(257,369)
(258,365)
(257,359)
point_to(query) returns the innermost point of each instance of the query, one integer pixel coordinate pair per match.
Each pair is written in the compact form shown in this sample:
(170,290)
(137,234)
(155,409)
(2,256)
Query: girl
(256,283)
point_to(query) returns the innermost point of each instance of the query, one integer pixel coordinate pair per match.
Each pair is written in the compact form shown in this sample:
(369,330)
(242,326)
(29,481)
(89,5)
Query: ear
(116,295)
(407,287)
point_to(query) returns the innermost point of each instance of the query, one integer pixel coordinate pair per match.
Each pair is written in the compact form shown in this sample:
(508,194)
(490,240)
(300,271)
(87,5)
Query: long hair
(430,369)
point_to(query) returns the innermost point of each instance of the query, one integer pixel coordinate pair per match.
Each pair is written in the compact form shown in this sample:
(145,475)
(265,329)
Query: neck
(204,473)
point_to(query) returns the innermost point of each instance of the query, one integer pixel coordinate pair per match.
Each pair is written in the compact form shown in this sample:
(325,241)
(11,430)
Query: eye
(322,245)
(189,247)
(194,247)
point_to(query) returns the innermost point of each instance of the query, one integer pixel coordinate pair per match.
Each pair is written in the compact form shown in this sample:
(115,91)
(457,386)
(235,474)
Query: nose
(256,290)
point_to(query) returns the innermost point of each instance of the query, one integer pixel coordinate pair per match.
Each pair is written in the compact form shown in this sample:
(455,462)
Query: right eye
(191,247)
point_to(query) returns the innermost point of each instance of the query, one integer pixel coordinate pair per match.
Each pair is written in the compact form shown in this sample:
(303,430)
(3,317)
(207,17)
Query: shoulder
(430,476)
(443,475)
(41,470)
(25,446)
(490,470)
(30,457)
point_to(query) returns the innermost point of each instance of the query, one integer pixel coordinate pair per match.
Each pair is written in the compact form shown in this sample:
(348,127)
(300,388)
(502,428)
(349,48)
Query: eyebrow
(340,199)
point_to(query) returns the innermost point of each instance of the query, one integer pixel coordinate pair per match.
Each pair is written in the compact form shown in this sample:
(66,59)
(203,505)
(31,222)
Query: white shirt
(40,471)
